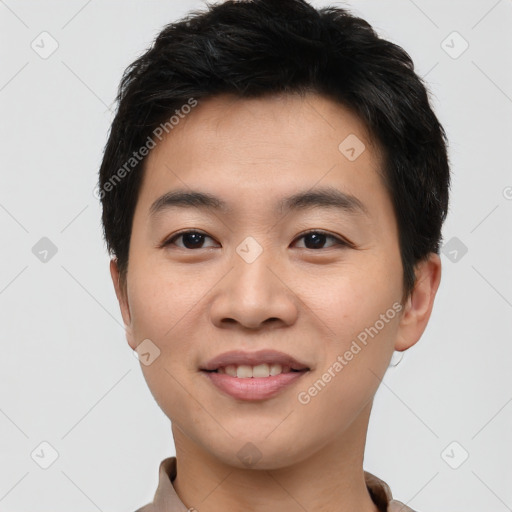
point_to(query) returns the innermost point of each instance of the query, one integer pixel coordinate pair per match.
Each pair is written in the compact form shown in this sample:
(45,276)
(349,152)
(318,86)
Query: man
(273,189)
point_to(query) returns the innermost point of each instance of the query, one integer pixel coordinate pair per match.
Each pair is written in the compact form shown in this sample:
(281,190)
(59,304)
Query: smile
(253,383)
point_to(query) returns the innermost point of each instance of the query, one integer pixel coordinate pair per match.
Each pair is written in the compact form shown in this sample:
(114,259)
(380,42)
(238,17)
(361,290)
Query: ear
(420,303)
(122,298)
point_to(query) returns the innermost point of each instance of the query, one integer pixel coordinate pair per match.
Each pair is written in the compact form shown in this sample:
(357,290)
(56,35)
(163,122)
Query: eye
(313,239)
(316,239)
(191,240)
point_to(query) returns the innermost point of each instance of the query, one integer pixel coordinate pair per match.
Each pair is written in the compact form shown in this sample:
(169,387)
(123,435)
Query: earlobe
(122,298)
(419,305)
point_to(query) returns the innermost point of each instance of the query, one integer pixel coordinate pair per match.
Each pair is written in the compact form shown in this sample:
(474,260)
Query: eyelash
(339,241)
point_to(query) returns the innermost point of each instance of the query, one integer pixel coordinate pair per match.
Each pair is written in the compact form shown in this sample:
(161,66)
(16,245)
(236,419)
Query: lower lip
(253,388)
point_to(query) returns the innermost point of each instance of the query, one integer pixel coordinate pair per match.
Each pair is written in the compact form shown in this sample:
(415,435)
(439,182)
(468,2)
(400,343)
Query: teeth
(262,370)
(244,371)
(230,370)
(276,369)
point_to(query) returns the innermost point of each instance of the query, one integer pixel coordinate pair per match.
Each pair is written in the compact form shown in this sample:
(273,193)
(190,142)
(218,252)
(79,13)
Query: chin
(257,452)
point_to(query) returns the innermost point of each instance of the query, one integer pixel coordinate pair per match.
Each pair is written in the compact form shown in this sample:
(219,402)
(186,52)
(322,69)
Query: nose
(254,295)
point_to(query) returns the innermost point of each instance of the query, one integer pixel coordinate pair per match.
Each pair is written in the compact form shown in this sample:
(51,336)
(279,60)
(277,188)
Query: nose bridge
(253,292)
(252,280)
(252,275)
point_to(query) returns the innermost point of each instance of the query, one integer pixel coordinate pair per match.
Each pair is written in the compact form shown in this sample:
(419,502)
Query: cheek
(159,300)
(360,308)
(162,306)
(354,298)
(160,309)
(354,362)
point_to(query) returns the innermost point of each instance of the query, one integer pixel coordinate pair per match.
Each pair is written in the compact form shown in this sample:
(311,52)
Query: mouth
(253,376)
(262,371)
(263,363)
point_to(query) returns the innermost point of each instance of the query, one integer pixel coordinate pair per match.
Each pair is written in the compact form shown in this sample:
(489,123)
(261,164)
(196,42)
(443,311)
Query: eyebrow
(324,197)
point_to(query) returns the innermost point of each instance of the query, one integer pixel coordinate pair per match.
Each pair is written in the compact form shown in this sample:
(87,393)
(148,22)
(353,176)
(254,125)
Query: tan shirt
(166,499)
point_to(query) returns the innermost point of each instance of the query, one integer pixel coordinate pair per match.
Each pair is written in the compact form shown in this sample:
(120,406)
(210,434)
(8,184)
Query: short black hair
(253,48)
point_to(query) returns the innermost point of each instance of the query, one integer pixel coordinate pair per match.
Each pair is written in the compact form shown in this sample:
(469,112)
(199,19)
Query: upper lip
(239,357)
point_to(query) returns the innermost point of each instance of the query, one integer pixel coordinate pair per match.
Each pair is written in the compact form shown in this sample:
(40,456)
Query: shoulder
(382,496)
(398,506)
(146,508)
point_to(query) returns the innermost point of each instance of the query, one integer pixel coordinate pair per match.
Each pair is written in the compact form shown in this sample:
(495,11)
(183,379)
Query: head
(316,151)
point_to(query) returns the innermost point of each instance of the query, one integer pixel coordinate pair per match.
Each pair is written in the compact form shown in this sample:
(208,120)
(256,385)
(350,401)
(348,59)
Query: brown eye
(317,239)
(190,240)
(313,240)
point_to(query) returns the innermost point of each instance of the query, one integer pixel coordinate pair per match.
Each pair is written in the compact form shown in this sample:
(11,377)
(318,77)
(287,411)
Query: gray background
(68,377)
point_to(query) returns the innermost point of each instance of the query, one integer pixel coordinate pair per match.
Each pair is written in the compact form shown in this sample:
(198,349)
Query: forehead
(251,151)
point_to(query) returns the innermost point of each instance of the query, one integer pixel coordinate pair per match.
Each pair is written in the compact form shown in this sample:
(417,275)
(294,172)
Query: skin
(195,303)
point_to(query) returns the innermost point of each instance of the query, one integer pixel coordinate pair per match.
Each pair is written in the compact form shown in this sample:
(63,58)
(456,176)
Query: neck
(329,480)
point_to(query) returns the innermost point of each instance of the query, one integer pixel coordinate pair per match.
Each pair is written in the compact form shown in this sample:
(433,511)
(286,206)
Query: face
(313,278)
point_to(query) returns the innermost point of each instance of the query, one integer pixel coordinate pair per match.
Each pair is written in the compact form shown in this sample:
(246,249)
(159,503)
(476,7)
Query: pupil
(193,239)
(318,239)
